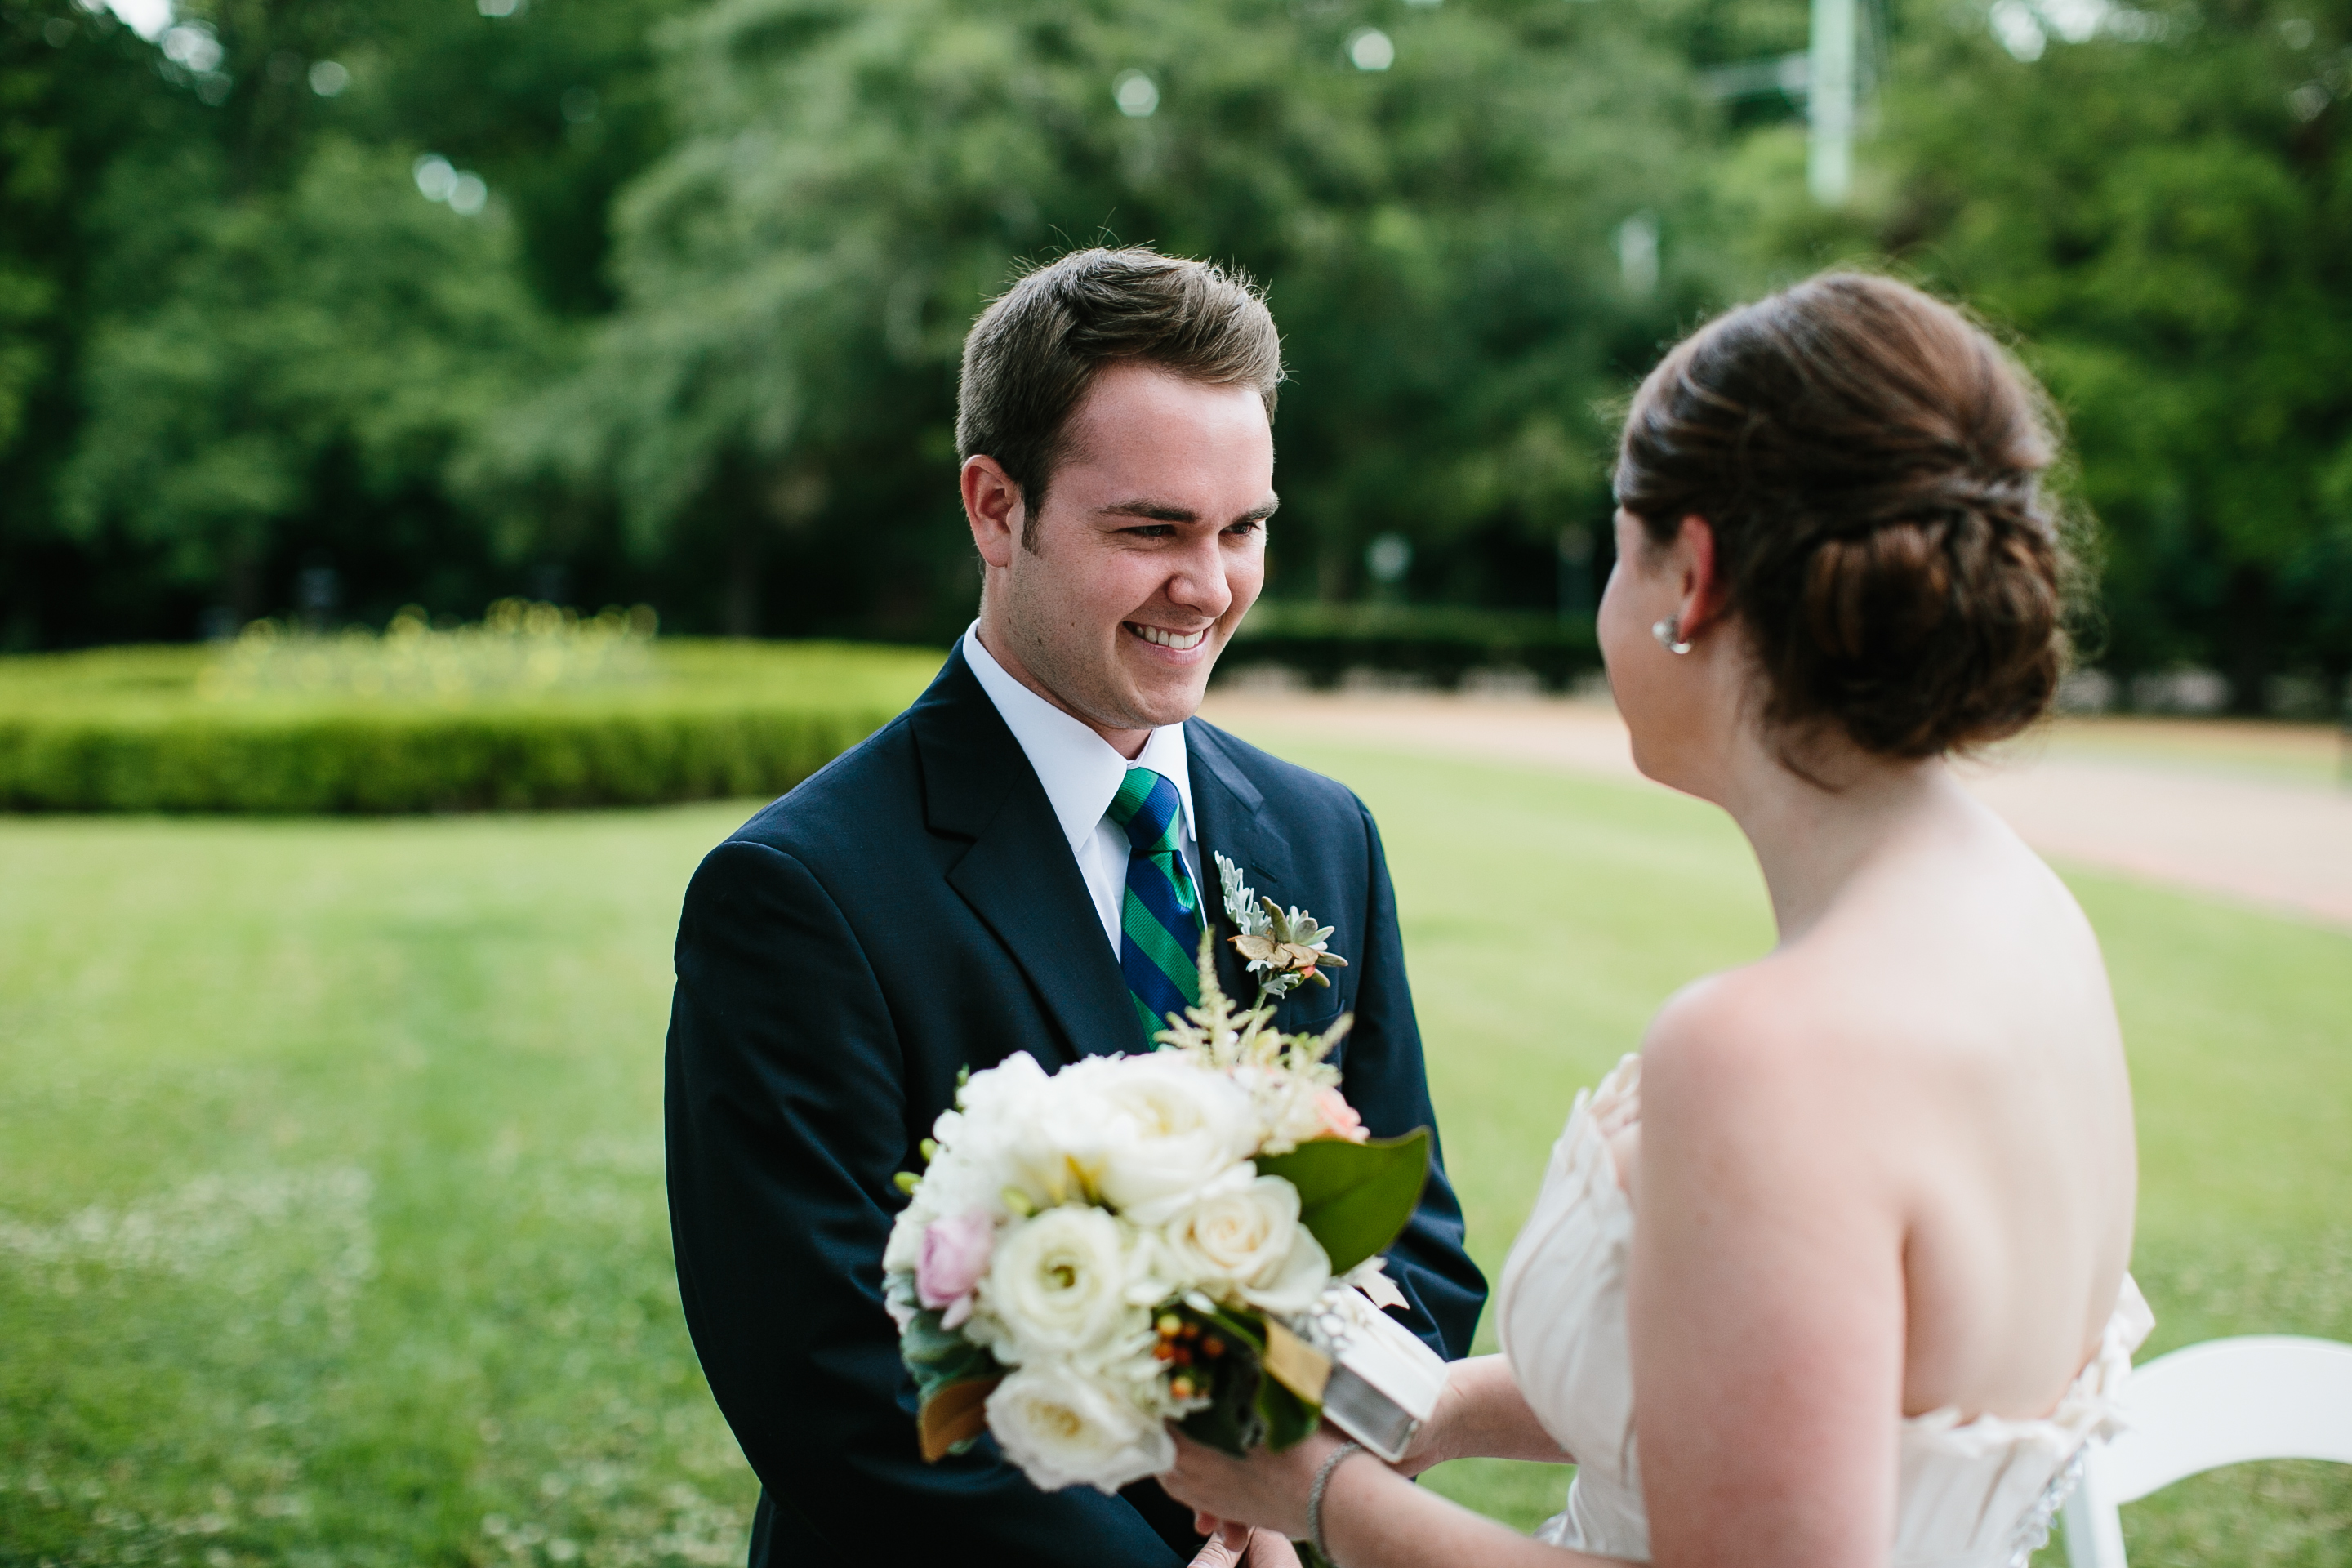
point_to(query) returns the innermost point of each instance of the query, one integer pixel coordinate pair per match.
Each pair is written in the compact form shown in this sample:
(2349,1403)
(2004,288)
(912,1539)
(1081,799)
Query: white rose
(906,1247)
(1174,1129)
(1058,1136)
(1062,1428)
(989,1094)
(1058,1286)
(1247,1237)
(972,1168)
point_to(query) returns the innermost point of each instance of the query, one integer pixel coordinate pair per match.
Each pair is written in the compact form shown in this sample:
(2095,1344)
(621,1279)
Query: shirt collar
(1080,771)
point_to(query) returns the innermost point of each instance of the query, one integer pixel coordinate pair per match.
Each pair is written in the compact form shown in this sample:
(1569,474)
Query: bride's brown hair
(1871,463)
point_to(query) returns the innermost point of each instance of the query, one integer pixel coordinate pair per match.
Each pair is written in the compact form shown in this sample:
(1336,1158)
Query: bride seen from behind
(1847,1242)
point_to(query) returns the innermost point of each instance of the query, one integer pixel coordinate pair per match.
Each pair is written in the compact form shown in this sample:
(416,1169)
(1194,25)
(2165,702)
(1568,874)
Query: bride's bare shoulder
(1776,1050)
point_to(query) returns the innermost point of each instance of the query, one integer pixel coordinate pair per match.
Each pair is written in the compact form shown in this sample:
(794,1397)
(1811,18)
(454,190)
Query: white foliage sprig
(1284,948)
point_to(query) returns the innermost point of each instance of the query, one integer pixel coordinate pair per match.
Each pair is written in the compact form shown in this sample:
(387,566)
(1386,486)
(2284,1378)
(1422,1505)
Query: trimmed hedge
(123,730)
(1438,643)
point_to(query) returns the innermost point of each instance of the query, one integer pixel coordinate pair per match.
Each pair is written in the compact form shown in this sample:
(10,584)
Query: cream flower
(1246,1237)
(1174,1129)
(906,1245)
(1063,1428)
(1057,1138)
(974,1165)
(1059,1285)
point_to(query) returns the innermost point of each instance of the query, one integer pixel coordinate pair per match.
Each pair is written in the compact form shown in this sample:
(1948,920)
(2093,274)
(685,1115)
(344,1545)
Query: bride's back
(1962,1009)
(1837,566)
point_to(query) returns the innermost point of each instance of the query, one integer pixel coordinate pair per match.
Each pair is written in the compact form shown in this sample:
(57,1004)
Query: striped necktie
(1160,917)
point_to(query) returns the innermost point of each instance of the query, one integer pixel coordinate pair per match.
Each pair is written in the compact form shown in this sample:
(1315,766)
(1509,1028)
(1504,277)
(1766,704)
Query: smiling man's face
(1150,550)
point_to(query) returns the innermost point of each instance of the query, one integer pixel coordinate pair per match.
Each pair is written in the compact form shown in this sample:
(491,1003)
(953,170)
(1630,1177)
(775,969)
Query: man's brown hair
(1036,351)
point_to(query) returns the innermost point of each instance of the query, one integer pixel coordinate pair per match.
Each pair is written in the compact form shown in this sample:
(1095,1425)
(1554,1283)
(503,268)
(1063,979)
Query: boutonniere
(1284,948)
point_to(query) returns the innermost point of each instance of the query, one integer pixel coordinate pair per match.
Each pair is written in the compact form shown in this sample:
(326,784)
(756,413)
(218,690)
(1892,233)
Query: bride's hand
(1269,1489)
(1241,1546)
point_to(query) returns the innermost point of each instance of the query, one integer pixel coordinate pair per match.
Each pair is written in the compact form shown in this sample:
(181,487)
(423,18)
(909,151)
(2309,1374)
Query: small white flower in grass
(1065,1429)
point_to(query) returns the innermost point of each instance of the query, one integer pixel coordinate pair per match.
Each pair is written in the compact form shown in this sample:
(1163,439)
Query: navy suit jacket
(912,911)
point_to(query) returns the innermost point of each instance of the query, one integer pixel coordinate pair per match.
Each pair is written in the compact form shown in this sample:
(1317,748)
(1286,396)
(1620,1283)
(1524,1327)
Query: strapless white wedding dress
(1973,1493)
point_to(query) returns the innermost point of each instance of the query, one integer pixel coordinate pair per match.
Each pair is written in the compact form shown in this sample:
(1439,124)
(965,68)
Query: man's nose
(1196,581)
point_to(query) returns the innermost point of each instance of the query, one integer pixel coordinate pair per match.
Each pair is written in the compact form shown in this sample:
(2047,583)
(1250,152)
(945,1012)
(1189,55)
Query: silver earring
(1669,632)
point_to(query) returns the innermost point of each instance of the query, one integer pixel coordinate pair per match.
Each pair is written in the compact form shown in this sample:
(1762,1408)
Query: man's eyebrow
(1155,511)
(1159,511)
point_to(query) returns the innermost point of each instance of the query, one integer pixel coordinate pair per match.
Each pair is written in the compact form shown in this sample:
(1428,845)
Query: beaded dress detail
(1972,1493)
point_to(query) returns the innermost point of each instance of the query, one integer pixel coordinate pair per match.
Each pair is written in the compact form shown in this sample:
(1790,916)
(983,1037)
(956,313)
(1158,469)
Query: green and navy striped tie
(1160,917)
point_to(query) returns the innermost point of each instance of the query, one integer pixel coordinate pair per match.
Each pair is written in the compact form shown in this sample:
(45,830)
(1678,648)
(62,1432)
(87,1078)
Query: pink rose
(1339,1118)
(955,1255)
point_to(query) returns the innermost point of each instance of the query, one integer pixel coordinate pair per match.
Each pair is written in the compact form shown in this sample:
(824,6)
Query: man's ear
(991,505)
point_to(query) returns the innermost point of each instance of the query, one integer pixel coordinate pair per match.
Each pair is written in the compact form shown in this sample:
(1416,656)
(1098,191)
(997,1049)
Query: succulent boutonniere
(1284,948)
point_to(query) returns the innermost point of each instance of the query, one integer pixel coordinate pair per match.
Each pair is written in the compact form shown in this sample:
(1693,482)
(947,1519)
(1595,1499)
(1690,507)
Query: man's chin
(1160,707)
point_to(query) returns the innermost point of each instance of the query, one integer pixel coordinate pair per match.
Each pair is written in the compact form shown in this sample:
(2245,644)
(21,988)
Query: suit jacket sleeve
(786,1120)
(1384,1079)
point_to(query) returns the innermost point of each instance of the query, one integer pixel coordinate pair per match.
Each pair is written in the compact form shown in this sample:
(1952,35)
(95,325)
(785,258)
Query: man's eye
(1151,531)
(1246,527)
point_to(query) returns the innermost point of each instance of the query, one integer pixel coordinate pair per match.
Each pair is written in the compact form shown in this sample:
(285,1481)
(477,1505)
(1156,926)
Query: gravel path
(2245,813)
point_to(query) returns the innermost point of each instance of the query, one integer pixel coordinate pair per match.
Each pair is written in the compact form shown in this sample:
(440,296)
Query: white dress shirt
(1082,774)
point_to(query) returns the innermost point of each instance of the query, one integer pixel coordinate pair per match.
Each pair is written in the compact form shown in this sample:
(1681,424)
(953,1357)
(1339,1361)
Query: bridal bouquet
(1141,1239)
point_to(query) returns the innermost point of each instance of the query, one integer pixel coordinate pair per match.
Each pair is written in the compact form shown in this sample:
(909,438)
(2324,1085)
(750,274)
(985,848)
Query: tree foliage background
(329,307)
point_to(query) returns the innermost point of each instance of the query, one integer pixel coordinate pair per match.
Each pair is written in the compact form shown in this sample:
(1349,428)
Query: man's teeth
(1177,640)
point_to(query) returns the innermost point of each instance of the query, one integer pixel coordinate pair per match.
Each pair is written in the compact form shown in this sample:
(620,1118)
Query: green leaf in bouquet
(1355,1198)
(936,1355)
(1289,1419)
(1229,1421)
(953,1377)
(1245,1326)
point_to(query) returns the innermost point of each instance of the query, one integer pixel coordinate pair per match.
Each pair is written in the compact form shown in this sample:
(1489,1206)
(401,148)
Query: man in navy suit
(964,885)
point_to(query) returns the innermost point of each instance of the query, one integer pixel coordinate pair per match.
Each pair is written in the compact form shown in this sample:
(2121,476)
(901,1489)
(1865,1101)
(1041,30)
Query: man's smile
(1182,642)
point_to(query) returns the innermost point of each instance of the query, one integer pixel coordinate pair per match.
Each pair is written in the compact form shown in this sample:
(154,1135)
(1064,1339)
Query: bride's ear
(1703,597)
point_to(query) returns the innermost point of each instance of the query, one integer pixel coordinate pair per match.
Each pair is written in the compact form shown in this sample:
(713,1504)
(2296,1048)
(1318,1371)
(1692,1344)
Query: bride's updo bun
(1871,463)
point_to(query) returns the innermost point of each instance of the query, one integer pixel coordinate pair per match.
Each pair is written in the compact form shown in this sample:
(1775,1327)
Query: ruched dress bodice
(1973,1493)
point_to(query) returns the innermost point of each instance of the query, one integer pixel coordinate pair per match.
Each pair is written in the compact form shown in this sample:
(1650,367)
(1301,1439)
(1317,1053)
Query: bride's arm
(1481,1415)
(1767,1300)
(1373,1516)
(1768,1313)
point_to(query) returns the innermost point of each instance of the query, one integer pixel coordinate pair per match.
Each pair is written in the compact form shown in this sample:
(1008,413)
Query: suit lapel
(1233,822)
(1018,875)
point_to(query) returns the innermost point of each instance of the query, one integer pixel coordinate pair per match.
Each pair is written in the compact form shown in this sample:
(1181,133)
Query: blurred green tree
(1438,197)
(75,94)
(2160,204)
(328,345)
(224,301)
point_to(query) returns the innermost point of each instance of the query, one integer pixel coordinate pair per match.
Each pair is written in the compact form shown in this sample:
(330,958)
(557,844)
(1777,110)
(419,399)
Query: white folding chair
(2225,1402)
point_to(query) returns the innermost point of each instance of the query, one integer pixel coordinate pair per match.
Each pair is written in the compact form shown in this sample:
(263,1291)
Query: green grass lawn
(330,1213)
